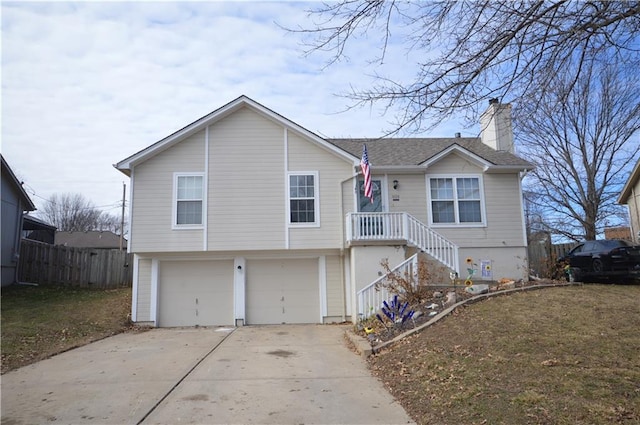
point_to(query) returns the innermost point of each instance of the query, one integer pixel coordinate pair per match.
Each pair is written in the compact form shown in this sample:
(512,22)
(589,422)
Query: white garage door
(282,291)
(195,293)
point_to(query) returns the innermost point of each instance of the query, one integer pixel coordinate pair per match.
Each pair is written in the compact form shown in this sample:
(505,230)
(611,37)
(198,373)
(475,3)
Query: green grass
(554,356)
(40,321)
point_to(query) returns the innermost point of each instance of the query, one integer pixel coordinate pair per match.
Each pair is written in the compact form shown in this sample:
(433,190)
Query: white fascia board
(486,166)
(303,131)
(506,169)
(209,119)
(177,136)
(481,162)
(398,169)
(626,190)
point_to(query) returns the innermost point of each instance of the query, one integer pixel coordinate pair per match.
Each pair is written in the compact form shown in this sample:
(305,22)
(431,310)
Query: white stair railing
(402,226)
(370,297)
(431,242)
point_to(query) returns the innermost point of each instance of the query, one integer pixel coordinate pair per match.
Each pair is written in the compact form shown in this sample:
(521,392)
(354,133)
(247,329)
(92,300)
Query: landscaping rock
(507,285)
(477,289)
(437,294)
(452,298)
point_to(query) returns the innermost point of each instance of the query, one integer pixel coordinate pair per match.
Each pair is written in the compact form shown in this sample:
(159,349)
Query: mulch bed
(381,331)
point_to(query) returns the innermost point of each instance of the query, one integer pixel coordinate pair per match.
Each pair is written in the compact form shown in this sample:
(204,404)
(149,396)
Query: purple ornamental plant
(396,312)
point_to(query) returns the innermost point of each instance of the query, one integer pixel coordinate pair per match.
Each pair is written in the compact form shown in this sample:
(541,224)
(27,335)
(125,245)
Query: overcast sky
(85,85)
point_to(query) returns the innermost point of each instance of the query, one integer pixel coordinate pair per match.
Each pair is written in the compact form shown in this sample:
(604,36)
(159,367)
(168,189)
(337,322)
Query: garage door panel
(282,291)
(195,293)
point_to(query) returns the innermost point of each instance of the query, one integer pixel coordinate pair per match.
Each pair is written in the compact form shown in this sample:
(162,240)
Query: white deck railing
(363,227)
(370,297)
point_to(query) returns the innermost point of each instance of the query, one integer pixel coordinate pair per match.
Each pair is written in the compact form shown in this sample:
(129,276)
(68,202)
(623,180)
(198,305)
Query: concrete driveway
(290,374)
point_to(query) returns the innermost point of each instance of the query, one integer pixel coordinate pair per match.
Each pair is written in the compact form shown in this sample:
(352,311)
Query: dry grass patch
(38,322)
(555,356)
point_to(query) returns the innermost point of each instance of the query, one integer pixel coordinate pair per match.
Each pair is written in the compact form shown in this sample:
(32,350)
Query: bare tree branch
(487,49)
(581,137)
(72,212)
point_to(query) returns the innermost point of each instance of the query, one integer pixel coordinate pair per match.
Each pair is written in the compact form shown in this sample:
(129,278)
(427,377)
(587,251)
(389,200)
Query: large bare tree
(468,51)
(582,136)
(72,212)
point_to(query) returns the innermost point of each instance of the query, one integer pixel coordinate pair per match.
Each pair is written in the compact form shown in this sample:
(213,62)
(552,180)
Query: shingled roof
(90,239)
(415,151)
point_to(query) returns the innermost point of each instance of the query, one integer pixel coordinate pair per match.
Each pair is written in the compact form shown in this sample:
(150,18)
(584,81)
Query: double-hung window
(456,200)
(188,200)
(303,199)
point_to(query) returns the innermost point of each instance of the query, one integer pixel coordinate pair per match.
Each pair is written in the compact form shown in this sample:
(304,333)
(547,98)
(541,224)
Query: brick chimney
(495,126)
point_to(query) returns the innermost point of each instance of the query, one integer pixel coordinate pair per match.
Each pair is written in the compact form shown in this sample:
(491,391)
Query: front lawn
(40,321)
(554,356)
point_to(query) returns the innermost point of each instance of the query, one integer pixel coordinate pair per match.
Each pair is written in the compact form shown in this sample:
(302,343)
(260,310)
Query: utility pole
(124,191)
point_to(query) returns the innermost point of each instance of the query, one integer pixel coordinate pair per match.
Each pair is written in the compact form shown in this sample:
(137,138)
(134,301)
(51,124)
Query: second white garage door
(195,293)
(282,291)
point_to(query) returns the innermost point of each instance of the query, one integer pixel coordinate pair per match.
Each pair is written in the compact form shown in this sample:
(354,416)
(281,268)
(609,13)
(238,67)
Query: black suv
(604,259)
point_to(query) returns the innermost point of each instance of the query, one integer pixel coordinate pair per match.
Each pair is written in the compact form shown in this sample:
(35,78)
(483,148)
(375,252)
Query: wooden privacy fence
(56,264)
(543,258)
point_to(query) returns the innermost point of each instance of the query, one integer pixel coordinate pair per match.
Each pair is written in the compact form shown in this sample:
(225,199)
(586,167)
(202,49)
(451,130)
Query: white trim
(287,233)
(348,290)
(384,192)
(174,206)
(459,149)
(220,113)
(316,198)
(205,194)
(522,216)
(153,302)
(134,289)
(322,277)
(628,189)
(239,289)
(457,223)
(131,181)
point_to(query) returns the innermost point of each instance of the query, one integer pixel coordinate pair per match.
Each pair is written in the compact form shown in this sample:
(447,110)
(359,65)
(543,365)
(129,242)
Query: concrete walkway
(290,374)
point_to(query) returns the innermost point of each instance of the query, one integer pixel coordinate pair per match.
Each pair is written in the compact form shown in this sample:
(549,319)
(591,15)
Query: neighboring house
(245,217)
(38,230)
(620,232)
(630,196)
(95,239)
(15,202)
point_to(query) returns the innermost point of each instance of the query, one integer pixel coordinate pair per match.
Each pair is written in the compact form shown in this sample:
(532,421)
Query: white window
(303,199)
(456,200)
(188,200)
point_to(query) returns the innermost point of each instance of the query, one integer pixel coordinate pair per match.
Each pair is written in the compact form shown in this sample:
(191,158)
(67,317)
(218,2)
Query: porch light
(395,184)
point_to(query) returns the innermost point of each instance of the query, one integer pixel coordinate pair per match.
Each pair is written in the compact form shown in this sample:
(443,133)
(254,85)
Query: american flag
(366,172)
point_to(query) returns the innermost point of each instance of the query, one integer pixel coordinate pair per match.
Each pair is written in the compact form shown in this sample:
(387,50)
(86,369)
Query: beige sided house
(630,196)
(245,217)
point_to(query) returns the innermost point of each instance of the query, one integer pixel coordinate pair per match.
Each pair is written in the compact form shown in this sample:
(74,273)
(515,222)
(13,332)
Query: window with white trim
(189,200)
(456,200)
(303,198)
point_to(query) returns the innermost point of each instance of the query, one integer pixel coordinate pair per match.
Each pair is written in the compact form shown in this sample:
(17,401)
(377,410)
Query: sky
(85,85)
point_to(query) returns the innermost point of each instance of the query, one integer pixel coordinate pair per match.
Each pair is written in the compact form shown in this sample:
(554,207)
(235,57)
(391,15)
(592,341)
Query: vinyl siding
(305,156)
(633,202)
(348,197)
(504,225)
(153,199)
(144,290)
(335,293)
(413,195)
(246,183)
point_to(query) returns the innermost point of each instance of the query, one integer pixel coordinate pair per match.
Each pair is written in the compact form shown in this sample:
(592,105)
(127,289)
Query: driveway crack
(177,384)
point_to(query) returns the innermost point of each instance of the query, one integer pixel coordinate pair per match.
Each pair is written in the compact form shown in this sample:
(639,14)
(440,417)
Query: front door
(372,226)
(364,203)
